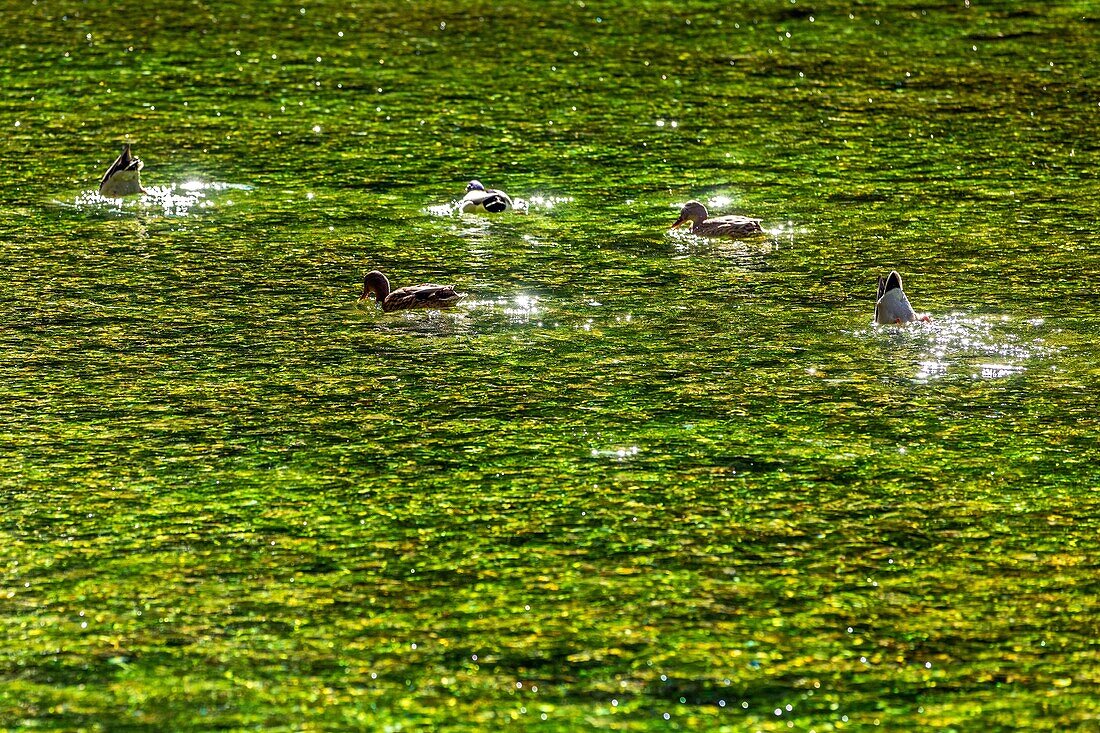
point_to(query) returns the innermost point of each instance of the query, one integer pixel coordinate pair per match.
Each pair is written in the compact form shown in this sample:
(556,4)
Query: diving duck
(891,305)
(720,226)
(414,296)
(123,177)
(481,200)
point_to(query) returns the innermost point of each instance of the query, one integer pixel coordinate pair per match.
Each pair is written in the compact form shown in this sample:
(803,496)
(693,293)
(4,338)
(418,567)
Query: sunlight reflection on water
(488,314)
(750,252)
(519,309)
(420,322)
(176,200)
(996,371)
(979,347)
(519,206)
(617,454)
(686,238)
(785,232)
(718,202)
(546,203)
(448,209)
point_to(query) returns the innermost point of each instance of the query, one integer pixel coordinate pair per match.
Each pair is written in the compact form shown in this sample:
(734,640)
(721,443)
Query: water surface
(637,480)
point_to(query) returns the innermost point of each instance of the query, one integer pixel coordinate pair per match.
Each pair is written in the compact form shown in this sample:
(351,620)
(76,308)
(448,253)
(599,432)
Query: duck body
(703,225)
(427,295)
(892,306)
(481,200)
(123,178)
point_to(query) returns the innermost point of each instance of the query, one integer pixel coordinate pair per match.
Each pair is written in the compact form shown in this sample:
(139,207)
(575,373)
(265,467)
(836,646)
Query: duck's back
(428,295)
(729,226)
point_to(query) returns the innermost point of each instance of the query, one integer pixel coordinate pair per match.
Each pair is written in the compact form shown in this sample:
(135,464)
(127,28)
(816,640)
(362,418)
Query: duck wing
(729,226)
(428,295)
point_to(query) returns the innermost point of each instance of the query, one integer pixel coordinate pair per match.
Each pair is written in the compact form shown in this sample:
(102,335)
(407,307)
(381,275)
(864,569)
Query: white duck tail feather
(894,307)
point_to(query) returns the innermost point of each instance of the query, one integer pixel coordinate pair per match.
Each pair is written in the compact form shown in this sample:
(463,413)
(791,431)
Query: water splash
(448,209)
(177,200)
(453,208)
(537,202)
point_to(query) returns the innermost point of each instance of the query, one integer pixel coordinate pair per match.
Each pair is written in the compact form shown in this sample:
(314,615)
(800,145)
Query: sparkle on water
(170,201)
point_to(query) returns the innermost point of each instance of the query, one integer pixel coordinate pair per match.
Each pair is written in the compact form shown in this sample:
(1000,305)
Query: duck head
(377,283)
(474,186)
(694,212)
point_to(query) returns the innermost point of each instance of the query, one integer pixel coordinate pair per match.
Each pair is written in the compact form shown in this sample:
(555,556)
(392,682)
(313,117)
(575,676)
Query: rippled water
(636,479)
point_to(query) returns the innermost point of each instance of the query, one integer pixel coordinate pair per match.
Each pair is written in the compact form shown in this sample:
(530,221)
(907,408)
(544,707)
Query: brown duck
(720,226)
(413,296)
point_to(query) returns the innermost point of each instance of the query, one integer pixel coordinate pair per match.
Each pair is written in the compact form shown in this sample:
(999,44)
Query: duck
(481,200)
(720,226)
(891,304)
(427,295)
(123,178)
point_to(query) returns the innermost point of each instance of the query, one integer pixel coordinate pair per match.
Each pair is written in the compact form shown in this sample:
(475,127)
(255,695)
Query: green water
(637,480)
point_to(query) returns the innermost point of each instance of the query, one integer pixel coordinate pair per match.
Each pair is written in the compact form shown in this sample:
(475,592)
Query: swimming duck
(891,305)
(481,200)
(123,177)
(414,296)
(720,226)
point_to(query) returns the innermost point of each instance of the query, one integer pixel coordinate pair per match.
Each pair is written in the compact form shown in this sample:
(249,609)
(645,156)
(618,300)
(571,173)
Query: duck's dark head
(694,212)
(474,186)
(377,283)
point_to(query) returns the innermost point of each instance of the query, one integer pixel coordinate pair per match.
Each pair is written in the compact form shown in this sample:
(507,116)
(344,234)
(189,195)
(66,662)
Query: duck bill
(679,221)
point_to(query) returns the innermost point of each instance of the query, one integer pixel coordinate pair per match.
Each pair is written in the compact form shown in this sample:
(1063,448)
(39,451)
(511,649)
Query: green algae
(637,481)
